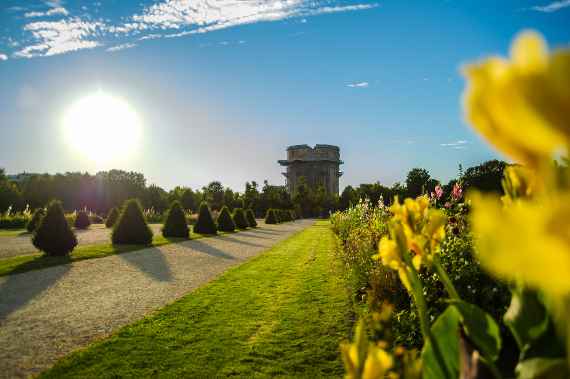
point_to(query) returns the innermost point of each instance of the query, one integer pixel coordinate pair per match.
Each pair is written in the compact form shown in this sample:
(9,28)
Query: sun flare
(102,127)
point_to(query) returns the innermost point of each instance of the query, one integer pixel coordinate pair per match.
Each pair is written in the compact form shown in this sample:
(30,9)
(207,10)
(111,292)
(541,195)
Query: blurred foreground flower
(521,106)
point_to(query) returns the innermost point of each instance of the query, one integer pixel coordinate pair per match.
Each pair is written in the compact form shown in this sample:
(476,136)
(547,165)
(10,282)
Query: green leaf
(526,317)
(445,332)
(542,368)
(480,327)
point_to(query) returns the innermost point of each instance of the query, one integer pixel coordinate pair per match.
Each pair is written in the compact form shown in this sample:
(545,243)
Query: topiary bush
(175,224)
(205,223)
(112,218)
(95,219)
(35,220)
(270,217)
(225,221)
(239,218)
(82,220)
(53,235)
(250,216)
(131,227)
(293,215)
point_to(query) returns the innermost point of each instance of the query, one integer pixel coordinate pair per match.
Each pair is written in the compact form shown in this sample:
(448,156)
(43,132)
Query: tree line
(105,190)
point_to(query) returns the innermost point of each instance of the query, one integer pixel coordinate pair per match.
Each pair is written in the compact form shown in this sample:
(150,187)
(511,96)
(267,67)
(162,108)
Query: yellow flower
(389,253)
(528,241)
(378,362)
(521,106)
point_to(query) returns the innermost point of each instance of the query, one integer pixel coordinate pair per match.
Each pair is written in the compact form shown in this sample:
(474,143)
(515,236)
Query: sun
(102,127)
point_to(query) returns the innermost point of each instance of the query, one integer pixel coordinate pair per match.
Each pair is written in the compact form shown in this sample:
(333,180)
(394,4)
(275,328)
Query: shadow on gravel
(207,249)
(18,290)
(236,240)
(267,231)
(151,262)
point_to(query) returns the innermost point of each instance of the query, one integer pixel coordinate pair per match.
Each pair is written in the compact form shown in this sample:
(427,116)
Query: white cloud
(162,19)
(58,37)
(3,57)
(52,12)
(460,144)
(359,85)
(122,47)
(552,7)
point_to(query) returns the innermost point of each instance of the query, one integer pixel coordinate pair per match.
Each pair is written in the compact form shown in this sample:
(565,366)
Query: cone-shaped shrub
(270,217)
(53,235)
(35,220)
(175,224)
(131,227)
(286,215)
(250,216)
(82,220)
(225,221)
(293,215)
(239,218)
(205,224)
(112,218)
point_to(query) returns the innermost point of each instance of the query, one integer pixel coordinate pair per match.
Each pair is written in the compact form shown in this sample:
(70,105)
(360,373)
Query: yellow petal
(529,52)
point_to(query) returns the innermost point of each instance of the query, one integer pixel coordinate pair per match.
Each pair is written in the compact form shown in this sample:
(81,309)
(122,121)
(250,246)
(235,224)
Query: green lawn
(281,314)
(12,232)
(23,263)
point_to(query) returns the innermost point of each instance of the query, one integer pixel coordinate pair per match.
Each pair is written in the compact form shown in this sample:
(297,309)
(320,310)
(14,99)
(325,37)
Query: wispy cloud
(163,19)
(459,144)
(358,85)
(58,37)
(552,7)
(121,47)
(3,57)
(61,11)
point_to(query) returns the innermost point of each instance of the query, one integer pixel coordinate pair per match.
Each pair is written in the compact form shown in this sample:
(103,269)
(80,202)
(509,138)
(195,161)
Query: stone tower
(318,165)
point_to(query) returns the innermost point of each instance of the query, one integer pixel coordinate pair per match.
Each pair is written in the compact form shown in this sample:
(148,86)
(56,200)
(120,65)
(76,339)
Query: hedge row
(277,216)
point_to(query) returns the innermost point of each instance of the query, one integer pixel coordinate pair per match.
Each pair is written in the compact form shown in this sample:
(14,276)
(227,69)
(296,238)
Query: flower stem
(444,278)
(421,308)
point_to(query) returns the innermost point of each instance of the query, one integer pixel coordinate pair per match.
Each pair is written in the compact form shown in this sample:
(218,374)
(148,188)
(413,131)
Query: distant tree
(417,182)
(229,198)
(156,198)
(348,198)
(251,218)
(240,219)
(82,220)
(205,223)
(214,195)
(225,220)
(131,227)
(485,177)
(54,235)
(10,196)
(303,198)
(188,200)
(251,195)
(112,217)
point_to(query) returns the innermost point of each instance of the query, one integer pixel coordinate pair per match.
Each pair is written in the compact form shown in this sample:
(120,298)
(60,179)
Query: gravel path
(22,245)
(48,313)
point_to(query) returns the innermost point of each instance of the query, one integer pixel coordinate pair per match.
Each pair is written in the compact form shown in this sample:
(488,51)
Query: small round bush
(240,219)
(270,217)
(205,223)
(53,235)
(112,218)
(131,227)
(225,221)
(82,220)
(175,224)
(250,216)
(35,220)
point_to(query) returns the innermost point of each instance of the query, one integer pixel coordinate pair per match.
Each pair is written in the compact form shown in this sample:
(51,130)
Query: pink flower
(447,205)
(438,191)
(457,192)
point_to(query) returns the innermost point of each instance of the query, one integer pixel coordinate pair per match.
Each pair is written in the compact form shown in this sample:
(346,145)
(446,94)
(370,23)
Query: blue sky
(223,86)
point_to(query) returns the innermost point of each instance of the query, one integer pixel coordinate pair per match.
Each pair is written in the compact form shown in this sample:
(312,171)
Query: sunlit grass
(281,314)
